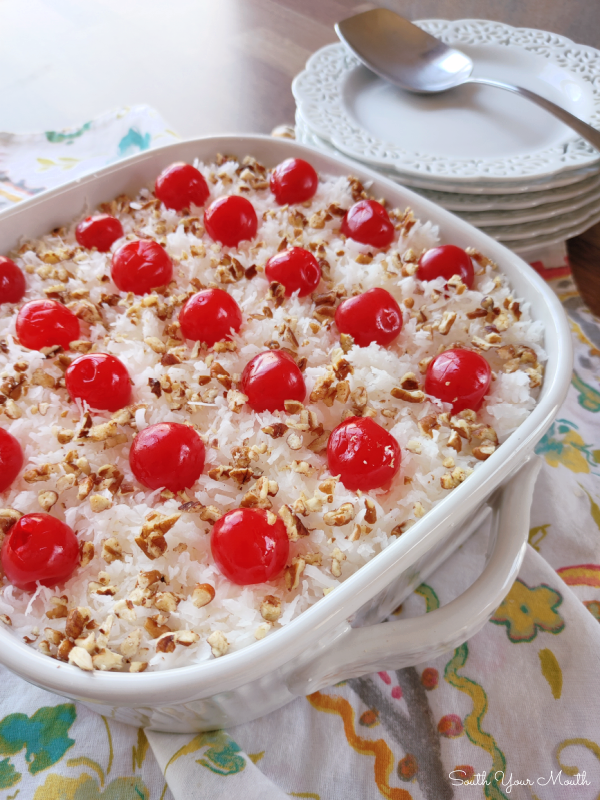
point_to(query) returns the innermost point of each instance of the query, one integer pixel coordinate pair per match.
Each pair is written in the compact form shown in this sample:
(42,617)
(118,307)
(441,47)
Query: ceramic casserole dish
(336,638)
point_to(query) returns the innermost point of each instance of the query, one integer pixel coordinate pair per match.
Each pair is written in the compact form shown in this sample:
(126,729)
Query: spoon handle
(586,131)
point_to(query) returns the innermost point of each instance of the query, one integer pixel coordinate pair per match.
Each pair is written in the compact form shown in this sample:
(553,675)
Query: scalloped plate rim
(551,155)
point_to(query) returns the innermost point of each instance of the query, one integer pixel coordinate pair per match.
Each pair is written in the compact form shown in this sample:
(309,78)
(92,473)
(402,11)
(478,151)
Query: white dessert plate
(511,202)
(518,216)
(525,246)
(473,187)
(530,230)
(472,131)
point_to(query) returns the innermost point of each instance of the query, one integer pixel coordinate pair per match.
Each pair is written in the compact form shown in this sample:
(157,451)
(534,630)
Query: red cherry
(209,316)
(367,222)
(231,220)
(460,377)
(39,548)
(247,549)
(363,453)
(271,378)
(141,266)
(444,262)
(99,232)
(46,323)
(11,459)
(180,186)
(167,454)
(297,269)
(101,380)
(293,181)
(12,281)
(373,316)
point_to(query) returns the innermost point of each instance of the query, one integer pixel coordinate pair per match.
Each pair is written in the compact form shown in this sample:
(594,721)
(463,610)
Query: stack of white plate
(494,158)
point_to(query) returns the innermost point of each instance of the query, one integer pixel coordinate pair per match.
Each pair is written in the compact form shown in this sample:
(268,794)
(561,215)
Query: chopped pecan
(294,526)
(41,473)
(99,503)
(131,644)
(166,601)
(202,594)
(59,609)
(85,487)
(428,424)
(447,321)
(414,396)
(276,293)
(455,442)
(270,608)
(359,398)
(154,629)
(275,430)
(340,516)
(8,517)
(106,660)
(218,644)
(293,406)
(293,573)
(112,550)
(371,511)
(450,480)
(346,342)
(236,400)
(337,557)
(483,451)
(65,482)
(41,378)
(294,442)
(79,657)
(77,619)
(358,531)
(86,553)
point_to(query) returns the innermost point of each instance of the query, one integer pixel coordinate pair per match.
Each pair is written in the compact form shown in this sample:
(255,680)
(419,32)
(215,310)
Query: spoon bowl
(402,53)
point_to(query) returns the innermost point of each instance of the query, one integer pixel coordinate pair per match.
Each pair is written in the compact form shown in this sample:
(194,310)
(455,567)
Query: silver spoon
(403,54)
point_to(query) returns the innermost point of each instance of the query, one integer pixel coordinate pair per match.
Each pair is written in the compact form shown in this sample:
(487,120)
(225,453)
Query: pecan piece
(340,516)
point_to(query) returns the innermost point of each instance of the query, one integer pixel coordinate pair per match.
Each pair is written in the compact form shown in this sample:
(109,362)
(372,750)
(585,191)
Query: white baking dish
(326,643)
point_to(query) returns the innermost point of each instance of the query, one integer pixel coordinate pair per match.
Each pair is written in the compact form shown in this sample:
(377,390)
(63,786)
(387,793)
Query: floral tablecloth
(513,713)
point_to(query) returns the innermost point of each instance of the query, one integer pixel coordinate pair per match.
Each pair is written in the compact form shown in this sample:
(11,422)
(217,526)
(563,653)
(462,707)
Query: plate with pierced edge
(472,131)
(472,189)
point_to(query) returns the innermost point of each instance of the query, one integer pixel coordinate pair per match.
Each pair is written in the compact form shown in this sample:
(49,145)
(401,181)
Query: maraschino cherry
(373,316)
(180,186)
(460,377)
(296,269)
(271,378)
(11,459)
(101,380)
(445,262)
(293,181)
(209,316)
(12,281)
(368,222)
(247,548)
(141,266)
(167,454)
(101,232)
(46,323)
(41,548)
(231,220)
(363,454)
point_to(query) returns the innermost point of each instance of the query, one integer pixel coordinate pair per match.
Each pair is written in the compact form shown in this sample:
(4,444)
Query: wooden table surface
(216,66)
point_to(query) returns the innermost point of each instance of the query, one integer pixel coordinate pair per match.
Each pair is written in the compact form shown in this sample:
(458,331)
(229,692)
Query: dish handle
(406,642)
